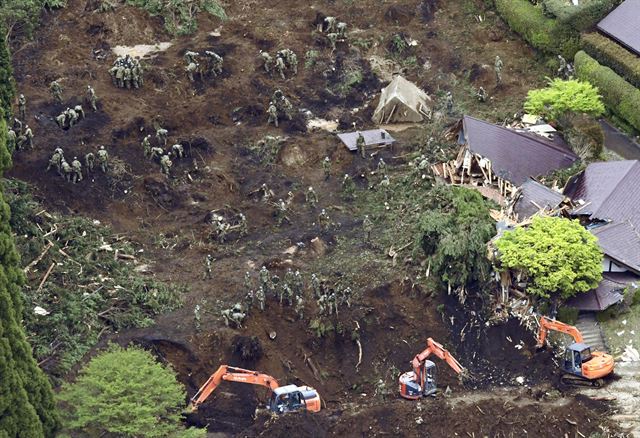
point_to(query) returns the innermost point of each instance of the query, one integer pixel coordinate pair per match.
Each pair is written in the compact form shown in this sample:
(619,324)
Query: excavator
(289,398)
(581,366)
(421,382)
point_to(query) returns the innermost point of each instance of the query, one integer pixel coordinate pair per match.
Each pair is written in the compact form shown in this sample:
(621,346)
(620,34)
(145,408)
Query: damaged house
(502,158)
(607,202)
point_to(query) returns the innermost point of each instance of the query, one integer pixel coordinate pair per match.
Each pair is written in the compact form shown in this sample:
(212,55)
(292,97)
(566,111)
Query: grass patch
(89,290)
(622,324)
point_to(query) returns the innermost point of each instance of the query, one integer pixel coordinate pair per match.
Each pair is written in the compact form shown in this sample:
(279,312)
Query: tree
(454,234)
(26,401)
(562,96)
(7,87)
(560,257)
(125,392)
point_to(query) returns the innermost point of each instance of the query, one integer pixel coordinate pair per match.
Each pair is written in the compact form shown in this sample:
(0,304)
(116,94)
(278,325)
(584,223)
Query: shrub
(620,96)
(562,96)
(568,315)
(125,393)
(613,55)
(180,16)
(581,16)
(559,256)
(543,33)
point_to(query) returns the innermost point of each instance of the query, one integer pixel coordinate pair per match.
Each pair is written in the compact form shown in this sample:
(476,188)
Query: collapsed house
(502,158)
(608,204)
(402,102)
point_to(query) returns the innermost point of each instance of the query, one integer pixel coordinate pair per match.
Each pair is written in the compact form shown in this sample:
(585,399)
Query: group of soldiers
(127,72)
(207,65)
(74,172)
(286,59)
(157,153)
(69,117)
(222,227)
(334,30)
(279,106)
(20,136)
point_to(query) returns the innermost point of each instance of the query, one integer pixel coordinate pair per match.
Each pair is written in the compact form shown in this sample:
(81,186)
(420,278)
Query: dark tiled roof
(623,25)
(621,242)
(516,156)
(533,197)
(610,190)
(608,292)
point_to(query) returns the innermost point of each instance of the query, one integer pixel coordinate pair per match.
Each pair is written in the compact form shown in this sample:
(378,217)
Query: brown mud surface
(217,122)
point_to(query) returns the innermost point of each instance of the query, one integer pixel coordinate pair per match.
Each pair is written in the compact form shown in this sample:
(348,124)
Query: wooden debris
(46,275)
(37,259)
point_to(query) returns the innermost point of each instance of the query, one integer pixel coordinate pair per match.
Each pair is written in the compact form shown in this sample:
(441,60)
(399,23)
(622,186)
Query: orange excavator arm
(547,324)
(435,348)
(232,374)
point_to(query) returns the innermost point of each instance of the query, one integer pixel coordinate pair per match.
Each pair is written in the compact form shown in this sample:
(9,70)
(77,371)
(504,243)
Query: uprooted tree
(559,257)
(125,392)
(563,96)
(453,233)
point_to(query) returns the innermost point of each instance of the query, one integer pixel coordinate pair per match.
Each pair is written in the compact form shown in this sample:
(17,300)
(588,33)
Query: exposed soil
(217,121)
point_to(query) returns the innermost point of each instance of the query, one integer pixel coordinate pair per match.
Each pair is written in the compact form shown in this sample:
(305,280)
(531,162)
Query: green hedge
(546,34)
(619,95)
(579,17)
(613,55)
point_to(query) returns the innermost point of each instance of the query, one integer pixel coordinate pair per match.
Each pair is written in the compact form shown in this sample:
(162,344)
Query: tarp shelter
(372,138)
(401,102)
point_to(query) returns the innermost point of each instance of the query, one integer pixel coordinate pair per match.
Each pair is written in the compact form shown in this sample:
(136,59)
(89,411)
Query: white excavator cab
(412,388)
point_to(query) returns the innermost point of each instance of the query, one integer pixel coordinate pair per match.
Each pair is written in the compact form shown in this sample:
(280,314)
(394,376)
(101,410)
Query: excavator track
(573,380)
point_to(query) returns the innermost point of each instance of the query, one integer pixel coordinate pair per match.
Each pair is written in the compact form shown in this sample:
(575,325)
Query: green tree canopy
(127,393)
(454,234)
(559,256)
(562,96)
(27,408)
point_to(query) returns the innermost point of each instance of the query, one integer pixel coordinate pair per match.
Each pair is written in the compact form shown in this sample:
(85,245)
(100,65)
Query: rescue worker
(361,145)
(326,167)
(311,197)
(267,61)
(103,159)
(348,187)
(56,91)
(146,146)
(165,164)
(497,66)
(11,140)
(280,67)
(67,171)
(341,29)
(22,107)
(77,170)
(261,298)
(161,135)
(208,273)
(90,161)
(481,95)
(272,112)
(28,134)
(323,220)
(367,226)
(177,150)
(91,98)
(56,161)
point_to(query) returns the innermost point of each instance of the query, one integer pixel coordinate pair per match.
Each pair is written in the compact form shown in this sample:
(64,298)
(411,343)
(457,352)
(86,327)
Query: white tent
(401,101)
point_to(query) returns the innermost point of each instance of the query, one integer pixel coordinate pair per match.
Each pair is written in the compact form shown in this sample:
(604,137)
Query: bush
(543,33)
(613,55)
(559,256)
(568,315)
(562,97)
(125,393)
(584,135)
(579,17)
(180,16)
(619,95)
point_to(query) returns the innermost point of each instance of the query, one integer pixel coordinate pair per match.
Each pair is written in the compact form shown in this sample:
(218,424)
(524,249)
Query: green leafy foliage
(546,34)
(613,55)
(26,400)
(180,16)
(584,135)
(19,17)
(559,256)
(7,87)
(88,292)
(453,232)
(125,392)
(580,16)
(622,98)
(563,96)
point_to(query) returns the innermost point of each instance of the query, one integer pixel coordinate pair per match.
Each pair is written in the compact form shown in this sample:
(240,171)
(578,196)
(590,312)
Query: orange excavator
(283,399)
(581,365)
(421,382)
